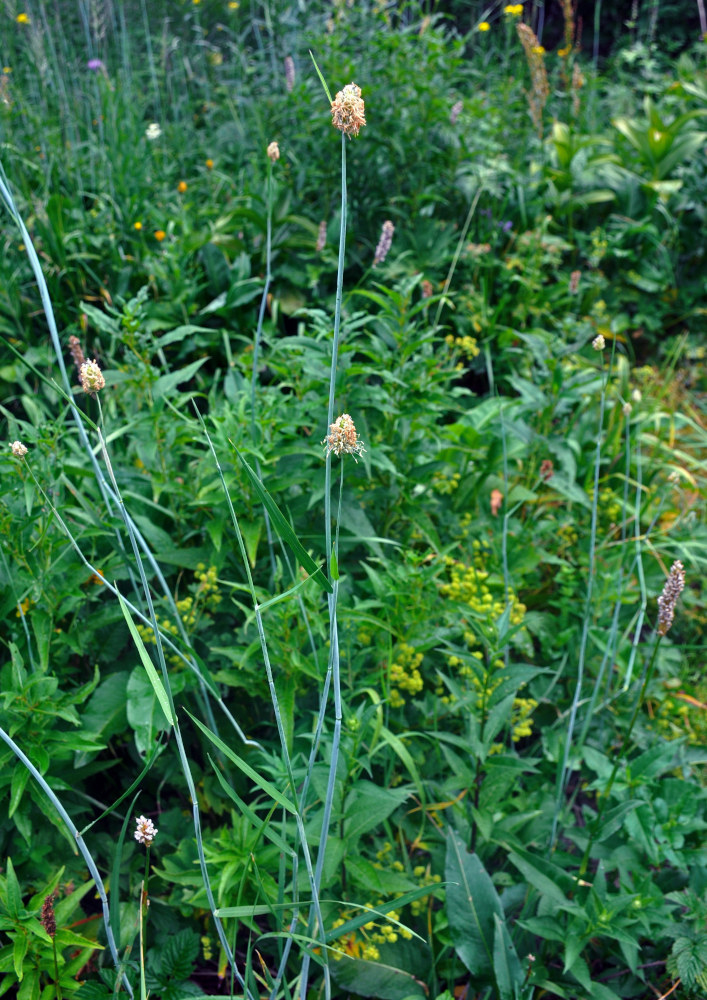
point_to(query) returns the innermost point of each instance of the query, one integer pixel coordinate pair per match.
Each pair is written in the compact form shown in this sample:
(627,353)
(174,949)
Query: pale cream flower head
(274,151)
(599,343)
(146,831)
(342,438)
(19,450)
(91,377)
(348,112)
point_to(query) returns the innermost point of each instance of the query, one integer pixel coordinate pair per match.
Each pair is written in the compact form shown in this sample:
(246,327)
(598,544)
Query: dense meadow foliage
(352,500)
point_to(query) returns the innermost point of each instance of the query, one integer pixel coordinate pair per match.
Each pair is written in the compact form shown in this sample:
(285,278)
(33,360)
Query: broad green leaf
(374,979)
(284,528)
(367,806)
(19,951)
(147,663)
(145,715)
(472,901)
(547,877)
(105,712)
(13,897)
(164,385)
(20,776)
(506,964)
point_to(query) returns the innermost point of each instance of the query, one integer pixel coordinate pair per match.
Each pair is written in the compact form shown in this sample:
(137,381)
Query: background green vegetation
(501,542)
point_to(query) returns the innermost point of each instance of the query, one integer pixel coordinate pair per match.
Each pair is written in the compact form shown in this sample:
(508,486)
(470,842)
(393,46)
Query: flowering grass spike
(348,110)
(91,377)
(342,438)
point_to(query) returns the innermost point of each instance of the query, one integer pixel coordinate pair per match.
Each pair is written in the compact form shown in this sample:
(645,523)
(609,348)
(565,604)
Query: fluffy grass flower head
(348,112)
(18,449)
(146,831)
(91,377)
(343,438)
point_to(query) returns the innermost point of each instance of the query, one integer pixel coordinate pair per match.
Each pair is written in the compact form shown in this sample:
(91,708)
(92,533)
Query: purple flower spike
(96,65)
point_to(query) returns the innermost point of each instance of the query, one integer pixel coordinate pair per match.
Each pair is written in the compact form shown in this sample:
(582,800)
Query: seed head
(47,918)
(274,152)
(671,591)
(19,450)
(342,438)
(146,831)
(386,238)
(91,377)
(348,110)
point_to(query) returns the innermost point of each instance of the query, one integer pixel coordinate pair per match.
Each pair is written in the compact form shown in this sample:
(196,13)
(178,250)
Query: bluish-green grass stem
(333,668)
(256,355)
(564,773)
(80,843)
(186,769)
(604,795)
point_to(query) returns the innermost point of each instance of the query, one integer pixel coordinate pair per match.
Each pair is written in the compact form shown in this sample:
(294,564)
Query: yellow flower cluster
(418,906)
(468,346)
(472,586)
(205,595)
(521,723)
(375,932)
(445,484)
(405,674)
(208,586)
(514,9)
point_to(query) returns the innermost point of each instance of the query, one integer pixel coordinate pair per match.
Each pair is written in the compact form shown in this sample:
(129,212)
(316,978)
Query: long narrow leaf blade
(284,529)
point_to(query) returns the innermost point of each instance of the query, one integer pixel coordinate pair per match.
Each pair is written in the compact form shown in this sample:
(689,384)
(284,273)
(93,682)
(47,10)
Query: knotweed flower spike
(386,238)
(348,110)
(91,377)
(47,918)
(455,112)
(342,438)
(146,831)
(321,236)
(19,450)
(289,73)
(671,591)
(274,152)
